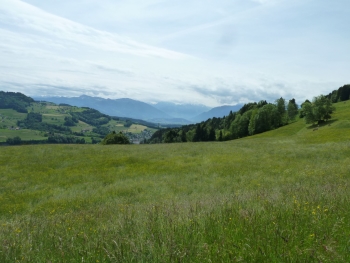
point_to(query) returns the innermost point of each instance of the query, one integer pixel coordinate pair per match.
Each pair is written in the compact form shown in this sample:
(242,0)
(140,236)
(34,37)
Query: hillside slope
(280,196)
(336,129)
(45,122)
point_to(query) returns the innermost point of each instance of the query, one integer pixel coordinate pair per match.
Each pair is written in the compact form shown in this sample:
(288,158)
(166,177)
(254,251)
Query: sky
(221,52)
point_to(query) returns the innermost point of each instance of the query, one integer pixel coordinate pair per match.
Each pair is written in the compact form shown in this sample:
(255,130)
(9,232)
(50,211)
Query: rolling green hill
(280,196)
(60,123)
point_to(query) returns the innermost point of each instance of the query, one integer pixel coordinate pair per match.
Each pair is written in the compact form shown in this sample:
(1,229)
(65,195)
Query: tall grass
(281,196)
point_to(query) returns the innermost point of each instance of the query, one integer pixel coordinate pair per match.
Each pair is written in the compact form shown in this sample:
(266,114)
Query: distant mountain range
(183,111)
(162,112)
(216,112)
(119,107)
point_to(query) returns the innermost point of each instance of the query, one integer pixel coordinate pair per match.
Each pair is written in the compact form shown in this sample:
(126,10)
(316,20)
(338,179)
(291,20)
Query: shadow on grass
(322,124)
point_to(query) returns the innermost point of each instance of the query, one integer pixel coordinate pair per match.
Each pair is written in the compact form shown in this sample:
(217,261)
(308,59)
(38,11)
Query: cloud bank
(225,52)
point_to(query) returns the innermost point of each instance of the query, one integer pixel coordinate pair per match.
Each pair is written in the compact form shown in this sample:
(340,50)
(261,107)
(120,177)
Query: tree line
(341,94)
(15,100)
(254,118)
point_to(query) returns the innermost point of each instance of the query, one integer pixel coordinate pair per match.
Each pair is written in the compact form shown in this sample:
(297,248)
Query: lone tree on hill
(319,110)
(115,138)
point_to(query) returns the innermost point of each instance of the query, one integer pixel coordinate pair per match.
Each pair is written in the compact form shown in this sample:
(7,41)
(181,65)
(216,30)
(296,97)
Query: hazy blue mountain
(162,112)
(182,111)
(118,107)
(171,121)
(216,112)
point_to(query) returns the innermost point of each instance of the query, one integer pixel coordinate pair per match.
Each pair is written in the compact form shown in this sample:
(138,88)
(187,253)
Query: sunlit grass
(281,196)
(10,117)
(24,134)
(81,126)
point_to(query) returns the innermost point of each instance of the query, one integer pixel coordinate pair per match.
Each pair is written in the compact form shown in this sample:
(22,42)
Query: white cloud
(192,51)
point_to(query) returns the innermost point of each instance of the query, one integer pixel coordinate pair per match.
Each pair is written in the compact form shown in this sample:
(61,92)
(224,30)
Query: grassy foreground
(282,196)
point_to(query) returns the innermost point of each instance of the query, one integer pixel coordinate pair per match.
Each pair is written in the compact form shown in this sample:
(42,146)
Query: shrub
(115,138)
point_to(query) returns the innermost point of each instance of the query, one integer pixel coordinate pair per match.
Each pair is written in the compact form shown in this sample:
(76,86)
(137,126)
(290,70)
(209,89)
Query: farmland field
(136,128)
(25,134)
(53,114)
(9,117)
(281,196)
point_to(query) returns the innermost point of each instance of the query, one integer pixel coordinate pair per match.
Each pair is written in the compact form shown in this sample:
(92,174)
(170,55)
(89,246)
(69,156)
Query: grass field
(118,126)
(281,196)
(57,119)
(10,117)
(136,128)
(82,126)
(24,134)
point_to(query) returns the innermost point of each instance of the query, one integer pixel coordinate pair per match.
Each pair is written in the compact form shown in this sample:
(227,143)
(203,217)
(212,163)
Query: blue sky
(194,51)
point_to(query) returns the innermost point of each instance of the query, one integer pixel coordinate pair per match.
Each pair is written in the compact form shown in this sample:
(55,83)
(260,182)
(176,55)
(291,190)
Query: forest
(254,118)
(14,100)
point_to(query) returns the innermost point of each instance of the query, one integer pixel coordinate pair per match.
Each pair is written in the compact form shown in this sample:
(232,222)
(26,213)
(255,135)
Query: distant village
(137,138)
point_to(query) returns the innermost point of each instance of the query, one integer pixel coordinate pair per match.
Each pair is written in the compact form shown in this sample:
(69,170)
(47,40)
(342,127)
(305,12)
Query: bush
(115,138)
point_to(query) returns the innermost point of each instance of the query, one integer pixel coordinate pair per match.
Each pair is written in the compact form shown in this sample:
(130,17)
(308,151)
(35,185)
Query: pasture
(9,117)
(25,134)
(281,196)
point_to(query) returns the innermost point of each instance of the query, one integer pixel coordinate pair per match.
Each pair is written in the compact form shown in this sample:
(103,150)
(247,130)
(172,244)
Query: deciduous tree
(292,109)
(319,110)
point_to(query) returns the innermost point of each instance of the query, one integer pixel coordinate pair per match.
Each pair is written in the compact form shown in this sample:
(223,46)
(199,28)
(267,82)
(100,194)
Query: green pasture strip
(81,126)
(12,114)
(9,117)
(114,125)
(118,126)
(24,134)
(57,119)
(136,128)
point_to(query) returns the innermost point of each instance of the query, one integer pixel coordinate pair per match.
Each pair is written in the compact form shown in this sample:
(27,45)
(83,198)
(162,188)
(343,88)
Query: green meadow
(280,196)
